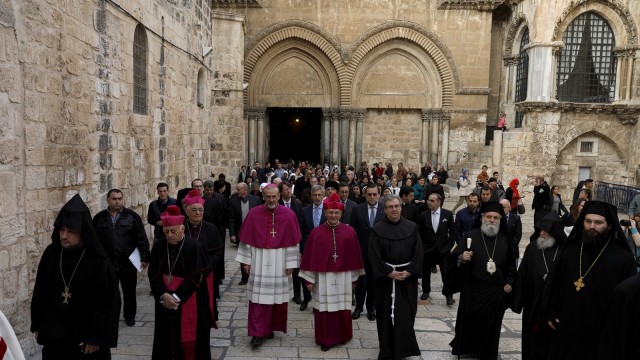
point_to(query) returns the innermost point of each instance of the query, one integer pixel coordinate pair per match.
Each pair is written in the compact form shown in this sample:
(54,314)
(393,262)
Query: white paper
(135,259)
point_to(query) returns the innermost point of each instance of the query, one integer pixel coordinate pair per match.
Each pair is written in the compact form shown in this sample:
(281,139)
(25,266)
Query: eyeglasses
(197,210)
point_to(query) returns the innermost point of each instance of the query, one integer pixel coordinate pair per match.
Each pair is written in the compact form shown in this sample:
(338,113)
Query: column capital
(255,113)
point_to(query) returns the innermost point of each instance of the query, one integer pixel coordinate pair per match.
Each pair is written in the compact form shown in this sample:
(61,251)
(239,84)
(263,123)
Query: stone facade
(399,81)
(66,119)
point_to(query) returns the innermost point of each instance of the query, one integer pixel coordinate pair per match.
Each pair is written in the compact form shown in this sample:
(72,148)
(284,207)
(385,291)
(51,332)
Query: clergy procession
(343,243)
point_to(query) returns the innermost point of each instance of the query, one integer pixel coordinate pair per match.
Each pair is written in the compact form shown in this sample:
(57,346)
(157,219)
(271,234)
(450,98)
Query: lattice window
(522,75)
(140,50)
(586,66)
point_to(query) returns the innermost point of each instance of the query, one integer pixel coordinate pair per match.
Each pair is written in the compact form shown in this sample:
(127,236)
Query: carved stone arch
(420,36)
(626,31)
(516,28)
(568,139)
(294,29)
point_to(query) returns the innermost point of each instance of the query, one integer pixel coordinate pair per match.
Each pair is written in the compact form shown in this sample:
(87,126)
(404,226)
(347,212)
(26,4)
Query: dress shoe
(297,300)
(256,341)
(434,270)
(325,348)
(424,296)
(130,322)
(270,336)
(371,316)
(356,314)
(243,282)
(304,304)
(450,300)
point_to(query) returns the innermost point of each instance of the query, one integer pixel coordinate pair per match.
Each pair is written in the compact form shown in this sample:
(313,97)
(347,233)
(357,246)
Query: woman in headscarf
(513,195)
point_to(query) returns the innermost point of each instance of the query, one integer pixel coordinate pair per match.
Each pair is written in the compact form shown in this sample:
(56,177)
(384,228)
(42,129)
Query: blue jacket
(464,222)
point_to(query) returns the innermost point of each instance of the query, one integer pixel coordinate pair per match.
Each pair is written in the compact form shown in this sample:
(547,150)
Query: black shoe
(424,296)
(256,341)
(325,348)
(130,322)
(450,300)
(371,316)
(356,314)
(243,282)
(434,270)
(297,300)
(304,304)
(270,336)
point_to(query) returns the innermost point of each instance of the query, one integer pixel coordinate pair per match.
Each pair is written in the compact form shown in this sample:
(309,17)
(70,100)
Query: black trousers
(364,290)
(128,281)
(299,283)
(73,353)
(431,260)
(245,275)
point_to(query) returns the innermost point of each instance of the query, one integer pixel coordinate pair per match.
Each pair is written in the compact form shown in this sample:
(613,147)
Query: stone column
(352,139)
(617,96)
(542,80)
(444,155)
(497,148)
(424,149)
(359,138)
(260,136)
(253,114)
(511,63)
(326,135)
(335,137)
(344,137)
(435,131)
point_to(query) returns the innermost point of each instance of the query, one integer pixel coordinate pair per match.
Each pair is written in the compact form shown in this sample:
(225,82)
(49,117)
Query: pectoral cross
(578,284)
(66,295)
(169,277)
(273,232)
(335,257)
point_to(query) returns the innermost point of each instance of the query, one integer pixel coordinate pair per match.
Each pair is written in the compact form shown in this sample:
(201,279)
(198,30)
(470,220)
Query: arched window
(200,98)
(140,50)
(587,67)
(522,74)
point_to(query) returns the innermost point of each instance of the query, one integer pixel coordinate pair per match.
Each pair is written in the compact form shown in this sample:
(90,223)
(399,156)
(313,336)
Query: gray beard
(490,230)
(543,243)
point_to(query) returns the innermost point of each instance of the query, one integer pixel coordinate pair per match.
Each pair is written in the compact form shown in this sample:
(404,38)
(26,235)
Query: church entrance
(294,133)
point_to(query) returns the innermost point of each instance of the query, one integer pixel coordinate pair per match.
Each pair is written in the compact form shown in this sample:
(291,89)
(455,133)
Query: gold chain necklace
(579,284)
(66,295)
(491,266)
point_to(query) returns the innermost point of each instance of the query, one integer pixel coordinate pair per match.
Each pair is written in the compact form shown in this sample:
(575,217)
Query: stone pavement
(434,326)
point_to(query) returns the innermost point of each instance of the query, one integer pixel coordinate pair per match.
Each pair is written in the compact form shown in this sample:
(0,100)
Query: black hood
(75,215)
(609,211)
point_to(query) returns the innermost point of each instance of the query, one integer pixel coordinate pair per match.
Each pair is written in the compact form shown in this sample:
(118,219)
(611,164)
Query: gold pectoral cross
(66,295)
(578,284)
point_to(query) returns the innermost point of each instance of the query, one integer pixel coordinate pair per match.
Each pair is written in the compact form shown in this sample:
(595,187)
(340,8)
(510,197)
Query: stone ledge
(235,3)
(626,114)
(481,5)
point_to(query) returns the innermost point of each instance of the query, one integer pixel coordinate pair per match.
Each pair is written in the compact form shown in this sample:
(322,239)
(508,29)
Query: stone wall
(392,135)
(66,120)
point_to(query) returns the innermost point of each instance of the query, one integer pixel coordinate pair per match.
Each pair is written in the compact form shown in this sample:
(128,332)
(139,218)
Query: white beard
(490,230)
(543,243)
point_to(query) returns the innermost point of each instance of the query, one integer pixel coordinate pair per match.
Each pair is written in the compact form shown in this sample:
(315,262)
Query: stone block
(10,284)
(4,261)
(8,197)
(18,254)
(35,134)
(35,177)
(35,156)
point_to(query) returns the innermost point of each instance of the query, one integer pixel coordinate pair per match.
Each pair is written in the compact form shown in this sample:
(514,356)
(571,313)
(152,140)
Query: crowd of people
(351,240)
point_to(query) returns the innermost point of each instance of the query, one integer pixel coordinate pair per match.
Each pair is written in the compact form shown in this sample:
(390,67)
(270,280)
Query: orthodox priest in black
(621,330)
(595,258)
(177,271)
(483,270)
(76,304)
(395,255)
(537,261)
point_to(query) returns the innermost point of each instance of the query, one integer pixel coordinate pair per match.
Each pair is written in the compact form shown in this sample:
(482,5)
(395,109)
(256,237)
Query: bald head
(506,205)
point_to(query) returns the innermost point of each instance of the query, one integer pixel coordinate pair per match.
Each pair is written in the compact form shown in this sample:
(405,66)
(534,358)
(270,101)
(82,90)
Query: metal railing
(618,195)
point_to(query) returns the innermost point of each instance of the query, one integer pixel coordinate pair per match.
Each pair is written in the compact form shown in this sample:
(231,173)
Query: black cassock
(536,335)
(581,313)
(621,330)
(216,212)
(396,244)
(192,267)
(482,296)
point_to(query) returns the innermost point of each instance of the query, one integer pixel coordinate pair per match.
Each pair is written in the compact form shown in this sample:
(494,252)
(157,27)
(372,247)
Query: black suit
(235,219)
(410,212)
(360,223)
(514,232)
(296,206)
(216,211)
(306,225)
(436,244)
(349,205)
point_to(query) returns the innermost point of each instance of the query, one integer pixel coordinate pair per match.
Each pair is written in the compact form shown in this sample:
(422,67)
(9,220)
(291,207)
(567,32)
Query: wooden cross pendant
(66,295)
(578,284)
(273,232)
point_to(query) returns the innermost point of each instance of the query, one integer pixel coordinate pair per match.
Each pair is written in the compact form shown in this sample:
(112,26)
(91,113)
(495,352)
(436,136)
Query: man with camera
(633,237)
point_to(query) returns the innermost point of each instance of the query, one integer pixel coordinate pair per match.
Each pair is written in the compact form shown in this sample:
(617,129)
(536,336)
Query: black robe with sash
(396,243)
(193,315)
(482,296)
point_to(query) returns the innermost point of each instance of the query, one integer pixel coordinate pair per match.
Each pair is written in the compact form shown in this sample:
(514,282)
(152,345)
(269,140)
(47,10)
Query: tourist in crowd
(463,189)
(513,194)
(556,202)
